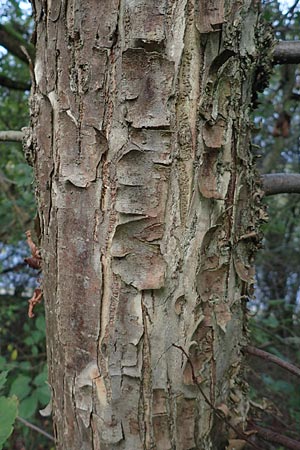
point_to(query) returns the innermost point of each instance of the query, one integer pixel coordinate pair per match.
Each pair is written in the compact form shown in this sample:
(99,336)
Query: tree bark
(281,183)
(287,52)
(145,182)
(11,136)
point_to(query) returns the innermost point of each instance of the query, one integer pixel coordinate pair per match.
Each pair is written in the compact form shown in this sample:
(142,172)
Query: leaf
(25,365)
(43,394)
(28,406)
(28,341)
(20,386)
(37,336)
(40,379)
(8,414)
(2,362)
(14,354)
(272,322)
(3,377)
(40,324)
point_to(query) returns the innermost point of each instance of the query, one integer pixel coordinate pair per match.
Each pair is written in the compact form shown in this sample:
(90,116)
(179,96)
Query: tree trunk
(149,211)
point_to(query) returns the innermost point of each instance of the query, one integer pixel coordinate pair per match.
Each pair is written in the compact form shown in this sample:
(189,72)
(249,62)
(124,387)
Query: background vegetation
(275,311)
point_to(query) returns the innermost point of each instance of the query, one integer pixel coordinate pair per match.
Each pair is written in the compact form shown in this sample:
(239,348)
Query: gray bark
(281,183)
(287,52)
(141,128)
(11,135)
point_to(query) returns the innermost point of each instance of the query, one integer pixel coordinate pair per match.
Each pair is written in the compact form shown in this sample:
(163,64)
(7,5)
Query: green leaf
(28,341)
(43,394)
(34,350)
(37,336)
(2,362)
(3,377)
(272,322)
(40,323)
(25,365)
(20,386)
(40,379)
(8,414)
(28,406)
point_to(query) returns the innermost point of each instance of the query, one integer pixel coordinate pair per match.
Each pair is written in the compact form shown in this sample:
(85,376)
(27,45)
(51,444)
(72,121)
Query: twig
(292,8)
(272,358)
(216,411)
(14,268)
(35,428)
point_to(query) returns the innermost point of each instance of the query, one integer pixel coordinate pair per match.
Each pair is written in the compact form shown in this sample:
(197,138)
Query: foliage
(16,193)
(23,360)
(22,342)
(8,411)
(275,325)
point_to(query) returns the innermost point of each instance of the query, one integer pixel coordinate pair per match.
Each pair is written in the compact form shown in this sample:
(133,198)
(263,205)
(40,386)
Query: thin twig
(216,411)
(292,8)
(35,428)
(14,268)
(272,358)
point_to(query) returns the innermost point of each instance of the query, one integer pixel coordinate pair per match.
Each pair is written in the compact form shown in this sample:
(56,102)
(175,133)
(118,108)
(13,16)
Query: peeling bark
(145,184)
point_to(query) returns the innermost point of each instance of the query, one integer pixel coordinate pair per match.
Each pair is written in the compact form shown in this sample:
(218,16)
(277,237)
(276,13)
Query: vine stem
(35,428)
(216,411)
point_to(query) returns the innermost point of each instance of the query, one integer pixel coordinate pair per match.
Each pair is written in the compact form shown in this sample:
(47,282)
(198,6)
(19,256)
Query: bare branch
(14,268)
(14,84)
(281,183)
(272,436)
(272,358)
(287,52)
(13,44)
(12,136)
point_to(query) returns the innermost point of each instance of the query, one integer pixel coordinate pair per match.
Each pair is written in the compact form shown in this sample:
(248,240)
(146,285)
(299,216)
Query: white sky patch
(25,5)
(286,5)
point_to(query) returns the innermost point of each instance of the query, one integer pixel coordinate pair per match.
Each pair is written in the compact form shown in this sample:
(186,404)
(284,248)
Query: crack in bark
(147,382)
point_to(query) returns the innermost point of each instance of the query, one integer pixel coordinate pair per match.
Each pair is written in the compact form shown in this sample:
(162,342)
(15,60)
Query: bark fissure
(147,382)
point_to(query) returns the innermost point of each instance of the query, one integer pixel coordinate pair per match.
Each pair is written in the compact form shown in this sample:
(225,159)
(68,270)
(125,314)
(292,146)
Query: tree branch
(12,43)
(281,183)
(287,52)
(272,436)
(272,358)
(12,136)
(14,84)
(14,268)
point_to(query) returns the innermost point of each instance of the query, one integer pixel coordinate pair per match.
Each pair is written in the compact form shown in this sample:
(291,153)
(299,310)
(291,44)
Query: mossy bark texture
(149,212)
